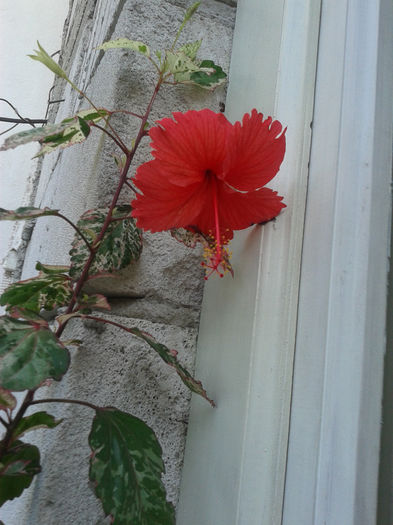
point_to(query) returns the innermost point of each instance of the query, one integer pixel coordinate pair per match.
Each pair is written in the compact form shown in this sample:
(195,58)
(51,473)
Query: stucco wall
(162,293)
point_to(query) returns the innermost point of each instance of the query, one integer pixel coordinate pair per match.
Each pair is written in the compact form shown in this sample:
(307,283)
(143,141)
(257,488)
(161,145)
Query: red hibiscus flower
(208,176)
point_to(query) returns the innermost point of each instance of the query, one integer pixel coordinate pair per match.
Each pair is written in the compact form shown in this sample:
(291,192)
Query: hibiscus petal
(164,205)
(237,210)
(189,146)
(255,151)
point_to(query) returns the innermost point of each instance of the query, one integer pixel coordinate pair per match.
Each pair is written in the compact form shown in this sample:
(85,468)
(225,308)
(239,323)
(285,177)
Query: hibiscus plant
(206,179)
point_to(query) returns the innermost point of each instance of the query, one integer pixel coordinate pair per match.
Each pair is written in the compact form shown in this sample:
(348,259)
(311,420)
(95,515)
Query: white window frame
(235,460)
(258,459)
(333,455)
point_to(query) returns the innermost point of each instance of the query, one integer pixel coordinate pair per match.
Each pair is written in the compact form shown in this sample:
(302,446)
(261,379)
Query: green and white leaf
(69,131)
(121,245)
(177,62)
(126,468)
(18,467)
(33,422)
(189,239)
(125,43)
(17,312)
(191,49)
(190,11)
(7,399)
(25,213)
(170,357)
(42,292)
(51,269)
(29,354)
(210,75)
(43,57)
(90,302)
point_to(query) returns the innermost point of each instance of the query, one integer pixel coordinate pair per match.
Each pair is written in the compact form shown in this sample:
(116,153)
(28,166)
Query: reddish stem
(123,179)
(13,424)
(60,400)
(28,400)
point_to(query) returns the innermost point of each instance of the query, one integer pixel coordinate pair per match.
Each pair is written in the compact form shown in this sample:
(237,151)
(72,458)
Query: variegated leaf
(89,302)
(25,213)
(69,131)
(125,43)
(7,399)
(186,237)
(29,354)
(121,244)
(126,468)
(46,291)
(209,76)
(170,357)
(191,49)
(33,422)
(19,465)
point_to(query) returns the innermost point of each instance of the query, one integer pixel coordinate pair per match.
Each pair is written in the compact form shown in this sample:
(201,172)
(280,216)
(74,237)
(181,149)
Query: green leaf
(126,467)
(51,269)
(43,57)
(46,291)
(91,302)
(34,421)
(191,49)
(208,80)
(121,244)
(17,312)
(19,464)
(29,354)
(186,237)
(170,357)
(166,354)
(125,43)
(68,132)
(7,400)
(190,11)
(179,63)
(28,212)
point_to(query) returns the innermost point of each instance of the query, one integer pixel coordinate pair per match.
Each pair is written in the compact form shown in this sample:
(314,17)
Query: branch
(72,401)
(4,422)
(78,231)
(132,187)
(123,179)
(13,424)
(24,120)
(115,140)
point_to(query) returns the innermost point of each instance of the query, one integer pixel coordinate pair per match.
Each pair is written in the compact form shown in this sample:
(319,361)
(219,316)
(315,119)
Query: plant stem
(123,180)
(95,107)
(60,400)
(126,113)
(106,321)
(3,422)
(78,231)
(13,424)
(23,120)
(28,401)
(132,187)
(120,144)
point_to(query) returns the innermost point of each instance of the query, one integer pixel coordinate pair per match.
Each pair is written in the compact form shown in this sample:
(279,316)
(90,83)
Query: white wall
(25,83)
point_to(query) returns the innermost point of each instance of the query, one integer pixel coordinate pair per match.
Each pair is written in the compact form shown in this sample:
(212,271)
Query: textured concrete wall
(162,293)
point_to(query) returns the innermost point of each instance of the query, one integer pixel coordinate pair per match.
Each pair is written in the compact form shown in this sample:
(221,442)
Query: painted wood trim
(333,455)
(236,454)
